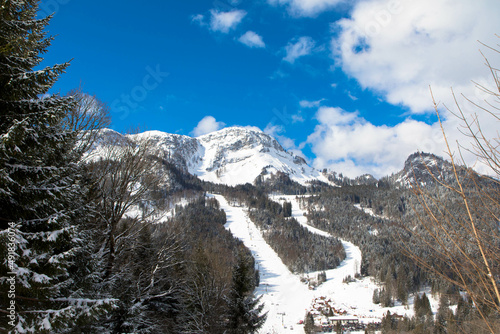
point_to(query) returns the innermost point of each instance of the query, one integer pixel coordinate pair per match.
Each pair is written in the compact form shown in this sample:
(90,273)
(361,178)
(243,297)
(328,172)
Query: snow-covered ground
(237,155)
(158,216)
(286,298)
(350,266)
(369,211)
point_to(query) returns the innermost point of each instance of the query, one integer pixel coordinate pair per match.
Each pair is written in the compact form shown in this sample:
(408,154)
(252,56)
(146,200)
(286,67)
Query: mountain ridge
(231,156)
(239,155)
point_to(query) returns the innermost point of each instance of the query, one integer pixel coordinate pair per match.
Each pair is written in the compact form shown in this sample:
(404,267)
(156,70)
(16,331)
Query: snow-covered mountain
(422,169)
(231,156)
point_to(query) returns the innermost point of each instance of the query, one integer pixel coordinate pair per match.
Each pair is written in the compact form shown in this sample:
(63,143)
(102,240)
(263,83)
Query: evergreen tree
(387,323)
(41,195)
(244,309)
(422,306)
(401,288)
(309,327)
(385,297)
(464,310)
(287,209)
(443,316)
(376,296)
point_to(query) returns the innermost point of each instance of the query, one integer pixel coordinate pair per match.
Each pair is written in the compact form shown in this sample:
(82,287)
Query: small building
(343,320)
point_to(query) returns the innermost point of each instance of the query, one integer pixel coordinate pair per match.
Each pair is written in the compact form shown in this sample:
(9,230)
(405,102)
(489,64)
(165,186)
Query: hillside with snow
(287,296)
(230,156)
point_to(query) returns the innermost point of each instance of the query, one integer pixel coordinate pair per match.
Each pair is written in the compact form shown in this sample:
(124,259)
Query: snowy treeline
(300,250)
(80,245)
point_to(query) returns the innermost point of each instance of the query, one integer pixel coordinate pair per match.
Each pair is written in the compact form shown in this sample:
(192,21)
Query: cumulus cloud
(225,21)
(277,132)
(310,104)
(273,130)
(198,19)
(206,125)
(297,118)
(400,48)
(252,40)
(347,143)
(308,8)
(299,48)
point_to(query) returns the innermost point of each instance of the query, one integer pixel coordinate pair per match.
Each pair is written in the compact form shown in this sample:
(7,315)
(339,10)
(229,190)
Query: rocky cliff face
(181,150)
(422,169)
(231,156)
(239,155)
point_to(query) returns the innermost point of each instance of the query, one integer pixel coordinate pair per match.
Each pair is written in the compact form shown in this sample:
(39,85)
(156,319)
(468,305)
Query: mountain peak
(423,169)
(238,138)
(232,156)
(234,129)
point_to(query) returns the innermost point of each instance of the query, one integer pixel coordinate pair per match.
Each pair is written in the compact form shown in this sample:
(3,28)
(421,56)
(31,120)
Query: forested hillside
(106,233)
(413,233)
(81,245)
(300,250)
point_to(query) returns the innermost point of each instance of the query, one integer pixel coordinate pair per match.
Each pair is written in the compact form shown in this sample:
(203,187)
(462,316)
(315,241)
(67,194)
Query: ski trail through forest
(286,298)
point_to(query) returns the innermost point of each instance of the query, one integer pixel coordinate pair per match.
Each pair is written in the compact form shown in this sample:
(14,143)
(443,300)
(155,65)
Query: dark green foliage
(386,298)
(287,209)
(244,308)
(388,323)
(309,327)
(300,250)
(422,306)
(444,316)
(279,182)
(376,296)
(42,194)
(375,236)
(465,311)
(188,275)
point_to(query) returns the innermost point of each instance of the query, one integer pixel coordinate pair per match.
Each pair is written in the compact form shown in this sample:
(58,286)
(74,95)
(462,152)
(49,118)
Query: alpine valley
(324,250)
(228,233)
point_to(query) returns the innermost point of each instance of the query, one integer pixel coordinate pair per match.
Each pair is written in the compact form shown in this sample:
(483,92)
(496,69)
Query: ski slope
(286,298)
(355,297)
(352,263)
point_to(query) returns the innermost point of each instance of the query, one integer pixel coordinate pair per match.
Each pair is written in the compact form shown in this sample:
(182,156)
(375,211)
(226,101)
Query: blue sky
(344,83)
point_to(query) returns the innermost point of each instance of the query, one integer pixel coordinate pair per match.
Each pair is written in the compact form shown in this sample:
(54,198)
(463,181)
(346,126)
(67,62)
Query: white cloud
(225,21)
(307,8)
(273,130)
(310,104)
(351,96)
(276,131)
(206,125)
(297,118)
(302,47)
(400,48)
(345,142)
(279,74)
(198,19)
(253,40)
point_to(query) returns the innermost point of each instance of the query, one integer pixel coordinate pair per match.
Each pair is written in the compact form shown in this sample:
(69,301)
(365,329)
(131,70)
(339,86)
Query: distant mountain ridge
(423,169)
(239,155)
(231,156)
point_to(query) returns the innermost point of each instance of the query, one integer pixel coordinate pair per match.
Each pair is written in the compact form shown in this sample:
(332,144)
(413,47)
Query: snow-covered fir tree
(41,196)
(244,309)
